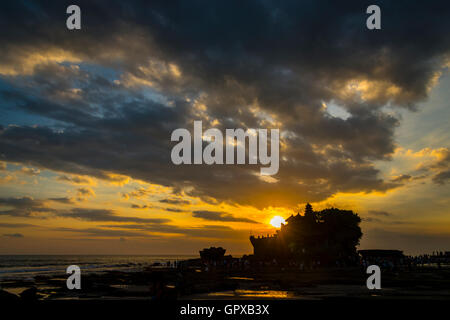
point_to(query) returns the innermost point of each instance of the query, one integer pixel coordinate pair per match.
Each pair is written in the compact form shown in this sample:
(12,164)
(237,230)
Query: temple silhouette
(327,237)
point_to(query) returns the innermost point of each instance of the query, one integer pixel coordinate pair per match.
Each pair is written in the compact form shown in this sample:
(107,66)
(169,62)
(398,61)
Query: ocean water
(29,266)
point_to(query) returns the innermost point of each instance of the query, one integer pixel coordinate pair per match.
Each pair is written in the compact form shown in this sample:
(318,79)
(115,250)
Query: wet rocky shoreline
(161,283)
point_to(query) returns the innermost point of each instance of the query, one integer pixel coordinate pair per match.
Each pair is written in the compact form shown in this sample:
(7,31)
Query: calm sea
(28,266)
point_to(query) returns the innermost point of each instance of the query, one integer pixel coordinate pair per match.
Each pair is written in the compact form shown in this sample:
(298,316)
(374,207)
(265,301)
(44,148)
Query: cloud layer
(103,101)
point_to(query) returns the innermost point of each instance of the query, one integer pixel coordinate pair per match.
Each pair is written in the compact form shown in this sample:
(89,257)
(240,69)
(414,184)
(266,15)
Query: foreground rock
(7,297)
(29,295)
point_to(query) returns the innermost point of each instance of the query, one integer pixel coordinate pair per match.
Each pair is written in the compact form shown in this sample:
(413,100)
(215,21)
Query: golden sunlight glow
(277,221)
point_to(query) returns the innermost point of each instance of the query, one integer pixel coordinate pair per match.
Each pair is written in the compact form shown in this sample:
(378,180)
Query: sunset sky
(87,115)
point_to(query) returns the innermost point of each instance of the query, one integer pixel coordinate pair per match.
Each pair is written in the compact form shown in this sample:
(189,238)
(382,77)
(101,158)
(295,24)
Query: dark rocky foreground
(269,283)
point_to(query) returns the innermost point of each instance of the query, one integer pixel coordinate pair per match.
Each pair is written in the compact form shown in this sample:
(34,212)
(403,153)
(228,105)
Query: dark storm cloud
(145,206)
(73,179)
(28,207)
(15,225)
(103,232)
(219,216)
(175,201)
(23,202)
(287,59)
(206,231)
(173,210)
(402,178)
(136,206)
(385,222)
(23,207)
(98,215)
(64,200)
(379,213)
(138,226)
(442,177)
(370,219)
(149,228)
(13,235)
(383,217)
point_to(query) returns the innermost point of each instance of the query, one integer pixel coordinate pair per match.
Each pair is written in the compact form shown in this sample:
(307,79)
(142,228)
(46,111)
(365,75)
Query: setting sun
(277,221)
